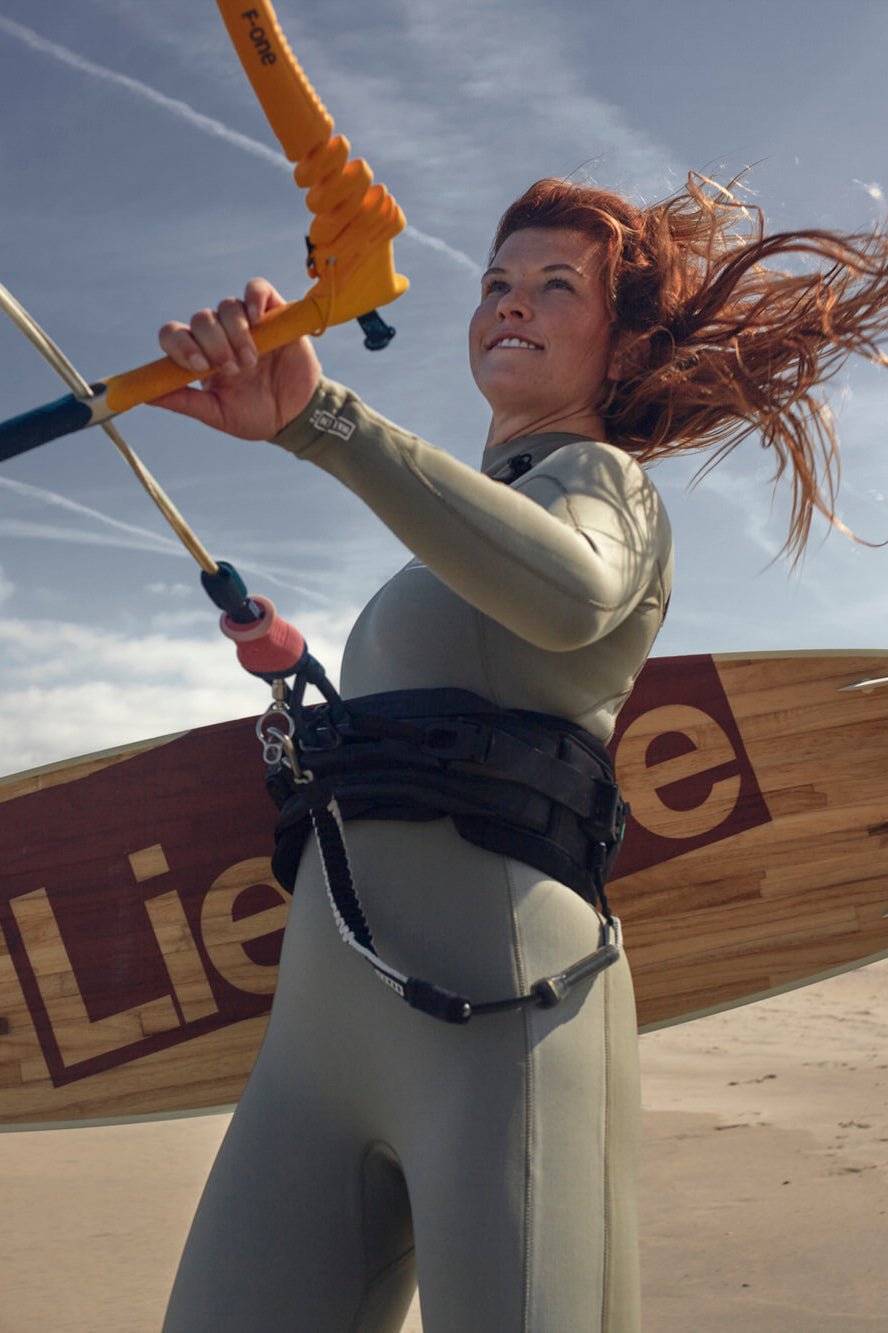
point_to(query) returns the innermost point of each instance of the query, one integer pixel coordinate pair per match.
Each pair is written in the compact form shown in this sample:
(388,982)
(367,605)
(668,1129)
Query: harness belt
(527,785)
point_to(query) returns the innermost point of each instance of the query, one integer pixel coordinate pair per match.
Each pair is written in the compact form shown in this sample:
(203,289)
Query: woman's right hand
(249,397)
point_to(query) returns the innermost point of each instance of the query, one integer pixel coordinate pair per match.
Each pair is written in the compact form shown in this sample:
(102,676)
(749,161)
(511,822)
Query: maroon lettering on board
(120,947)
(682,764)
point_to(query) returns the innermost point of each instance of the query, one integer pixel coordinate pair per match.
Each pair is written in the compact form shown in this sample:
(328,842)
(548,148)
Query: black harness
(528,785)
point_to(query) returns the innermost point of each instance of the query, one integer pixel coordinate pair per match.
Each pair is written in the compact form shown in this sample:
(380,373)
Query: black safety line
(426,996)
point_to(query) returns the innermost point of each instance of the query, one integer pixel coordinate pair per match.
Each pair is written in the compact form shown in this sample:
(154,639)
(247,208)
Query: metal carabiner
(273,750)
(291,759)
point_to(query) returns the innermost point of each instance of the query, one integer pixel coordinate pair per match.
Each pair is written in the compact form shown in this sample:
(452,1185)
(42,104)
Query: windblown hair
(717,343)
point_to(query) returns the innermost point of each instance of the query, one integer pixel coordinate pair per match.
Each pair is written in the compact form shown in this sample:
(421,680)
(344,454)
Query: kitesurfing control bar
(349,239)
(30,429)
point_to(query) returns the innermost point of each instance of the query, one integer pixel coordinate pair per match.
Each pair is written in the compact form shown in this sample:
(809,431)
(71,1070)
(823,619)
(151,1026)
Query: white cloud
(435,243)
(98,689)
(19,528)
(175,590)
(480,62)
(873,190)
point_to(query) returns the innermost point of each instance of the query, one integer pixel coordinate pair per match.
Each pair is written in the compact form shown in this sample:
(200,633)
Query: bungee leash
(527,785)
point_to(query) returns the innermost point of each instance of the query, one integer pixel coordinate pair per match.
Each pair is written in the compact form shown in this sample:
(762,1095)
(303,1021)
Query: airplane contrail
(197,120)
(139,538)
(84,511)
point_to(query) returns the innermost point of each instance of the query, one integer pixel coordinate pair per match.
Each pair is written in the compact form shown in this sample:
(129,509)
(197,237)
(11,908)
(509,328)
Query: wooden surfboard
(140,924)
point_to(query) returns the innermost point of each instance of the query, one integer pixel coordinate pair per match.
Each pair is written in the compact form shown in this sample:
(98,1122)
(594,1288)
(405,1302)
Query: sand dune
(764,1199)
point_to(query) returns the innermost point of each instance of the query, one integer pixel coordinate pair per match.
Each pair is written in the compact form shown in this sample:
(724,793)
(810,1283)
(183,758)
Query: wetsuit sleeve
(560,561)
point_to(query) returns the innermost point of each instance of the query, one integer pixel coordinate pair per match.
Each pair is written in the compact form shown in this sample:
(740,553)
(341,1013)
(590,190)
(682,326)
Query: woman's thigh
(301,1229)
(524,1197)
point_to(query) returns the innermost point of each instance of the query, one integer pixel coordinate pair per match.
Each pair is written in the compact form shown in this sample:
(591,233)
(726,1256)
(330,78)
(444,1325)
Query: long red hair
(721,344)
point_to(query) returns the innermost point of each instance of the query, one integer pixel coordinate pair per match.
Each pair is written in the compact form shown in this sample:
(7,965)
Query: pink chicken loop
(267,647)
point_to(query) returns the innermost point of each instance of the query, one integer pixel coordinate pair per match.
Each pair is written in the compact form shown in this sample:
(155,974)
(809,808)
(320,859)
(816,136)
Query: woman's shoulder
(581,464)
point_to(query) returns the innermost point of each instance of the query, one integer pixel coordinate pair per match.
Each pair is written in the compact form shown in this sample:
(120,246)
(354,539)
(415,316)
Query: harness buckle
(468,741)
(609,812)
(322,734)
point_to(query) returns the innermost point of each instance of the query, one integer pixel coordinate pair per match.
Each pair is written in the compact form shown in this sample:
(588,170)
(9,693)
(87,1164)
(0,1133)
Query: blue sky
(140,182)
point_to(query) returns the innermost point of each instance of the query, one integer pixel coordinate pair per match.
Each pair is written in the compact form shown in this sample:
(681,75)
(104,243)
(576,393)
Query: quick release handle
(269,647)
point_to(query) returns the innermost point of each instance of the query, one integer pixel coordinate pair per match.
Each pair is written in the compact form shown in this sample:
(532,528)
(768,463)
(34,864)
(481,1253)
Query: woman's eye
(494,285)
(560,282)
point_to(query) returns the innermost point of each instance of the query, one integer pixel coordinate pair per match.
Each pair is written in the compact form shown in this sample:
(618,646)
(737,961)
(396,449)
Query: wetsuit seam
(606,1247)
(529,1112)
(529,1109)
(491,691)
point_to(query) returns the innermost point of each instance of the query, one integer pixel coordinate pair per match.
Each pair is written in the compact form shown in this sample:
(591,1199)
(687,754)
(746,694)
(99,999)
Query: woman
(505,1150)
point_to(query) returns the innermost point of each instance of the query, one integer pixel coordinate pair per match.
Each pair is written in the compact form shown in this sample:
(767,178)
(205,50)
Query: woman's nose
(513,304)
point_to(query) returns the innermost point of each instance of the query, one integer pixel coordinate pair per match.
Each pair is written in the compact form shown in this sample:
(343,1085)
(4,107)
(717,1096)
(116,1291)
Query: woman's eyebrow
(547,268)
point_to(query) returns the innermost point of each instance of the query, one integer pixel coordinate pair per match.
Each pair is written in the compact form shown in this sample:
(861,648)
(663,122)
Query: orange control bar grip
(151,381)
(372,283)
(295,112)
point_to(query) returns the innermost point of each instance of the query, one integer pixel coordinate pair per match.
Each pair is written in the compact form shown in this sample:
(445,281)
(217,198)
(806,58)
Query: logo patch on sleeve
(332,424)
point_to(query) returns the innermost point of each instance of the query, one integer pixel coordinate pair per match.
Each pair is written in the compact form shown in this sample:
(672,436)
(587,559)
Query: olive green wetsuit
(372,1145)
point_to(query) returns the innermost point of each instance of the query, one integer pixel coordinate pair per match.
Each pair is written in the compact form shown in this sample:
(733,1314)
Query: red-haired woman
(496,1159)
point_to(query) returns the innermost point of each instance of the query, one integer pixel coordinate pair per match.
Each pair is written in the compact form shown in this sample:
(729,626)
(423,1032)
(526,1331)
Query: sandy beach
(764,1199)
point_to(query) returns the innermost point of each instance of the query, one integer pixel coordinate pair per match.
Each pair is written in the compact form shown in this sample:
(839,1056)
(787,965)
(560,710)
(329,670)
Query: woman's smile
(511,342)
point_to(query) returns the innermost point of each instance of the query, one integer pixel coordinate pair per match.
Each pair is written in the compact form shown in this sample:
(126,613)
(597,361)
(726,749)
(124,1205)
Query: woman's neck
(505,429)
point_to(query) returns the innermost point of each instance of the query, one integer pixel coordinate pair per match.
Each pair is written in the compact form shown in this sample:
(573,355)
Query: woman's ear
(630,356)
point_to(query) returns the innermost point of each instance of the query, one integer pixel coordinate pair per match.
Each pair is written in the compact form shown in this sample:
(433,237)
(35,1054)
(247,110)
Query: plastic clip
(437,1002)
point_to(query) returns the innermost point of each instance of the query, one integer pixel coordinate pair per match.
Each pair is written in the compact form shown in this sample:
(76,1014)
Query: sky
(139,181)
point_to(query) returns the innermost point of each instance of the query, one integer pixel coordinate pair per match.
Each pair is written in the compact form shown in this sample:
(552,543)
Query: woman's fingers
(259,298)
(219,336)
(234,324)
(221,339)
(178,343)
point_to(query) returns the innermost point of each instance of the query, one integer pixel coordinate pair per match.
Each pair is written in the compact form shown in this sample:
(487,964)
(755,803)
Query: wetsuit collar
(519,456)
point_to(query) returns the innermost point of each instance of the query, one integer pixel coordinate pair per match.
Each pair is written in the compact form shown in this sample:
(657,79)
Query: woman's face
(539,342)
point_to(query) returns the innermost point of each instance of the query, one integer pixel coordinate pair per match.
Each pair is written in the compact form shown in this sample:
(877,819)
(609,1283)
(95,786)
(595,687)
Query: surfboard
(141,926)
